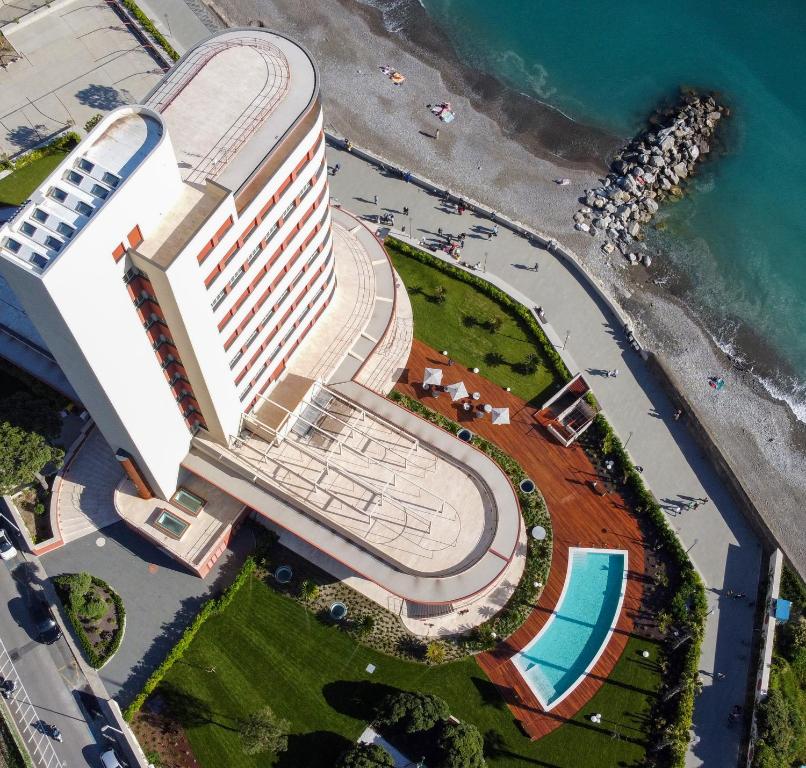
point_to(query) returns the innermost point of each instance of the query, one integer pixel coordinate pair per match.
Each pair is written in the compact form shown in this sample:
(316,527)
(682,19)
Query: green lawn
(459,325)
(18,185)
(266,649)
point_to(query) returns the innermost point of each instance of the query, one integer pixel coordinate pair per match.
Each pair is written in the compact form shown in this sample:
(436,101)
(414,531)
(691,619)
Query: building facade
(181,252)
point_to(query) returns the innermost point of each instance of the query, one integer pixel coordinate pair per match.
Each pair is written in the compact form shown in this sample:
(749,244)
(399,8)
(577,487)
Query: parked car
(110,760)
(47,630)
(7,549)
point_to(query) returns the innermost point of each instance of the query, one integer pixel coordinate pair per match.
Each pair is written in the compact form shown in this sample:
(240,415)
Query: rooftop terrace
(229,101)
(53,217)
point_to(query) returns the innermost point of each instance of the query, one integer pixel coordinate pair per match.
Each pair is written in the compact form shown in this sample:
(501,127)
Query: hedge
(94,659)
(533,509)
(63,143)
(688,607)
(149,27)
(496,294)
(212,607)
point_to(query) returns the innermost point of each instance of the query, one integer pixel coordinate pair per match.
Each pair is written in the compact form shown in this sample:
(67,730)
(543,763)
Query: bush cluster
(212,607)
(77,592)
(534,512)
(149,27)
(63,143)
(496,294)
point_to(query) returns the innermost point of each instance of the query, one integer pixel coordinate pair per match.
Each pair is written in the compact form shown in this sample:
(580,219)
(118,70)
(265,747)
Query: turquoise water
(554,662)
(740,237)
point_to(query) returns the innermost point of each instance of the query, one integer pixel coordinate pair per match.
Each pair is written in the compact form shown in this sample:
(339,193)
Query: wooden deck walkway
(580,516)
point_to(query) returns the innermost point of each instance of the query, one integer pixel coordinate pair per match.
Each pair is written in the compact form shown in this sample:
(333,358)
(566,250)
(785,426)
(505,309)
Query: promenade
(721,544)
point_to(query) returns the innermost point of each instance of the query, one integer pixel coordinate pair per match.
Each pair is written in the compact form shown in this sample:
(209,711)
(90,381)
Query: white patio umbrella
(457,391)
(500,416)
(432,376)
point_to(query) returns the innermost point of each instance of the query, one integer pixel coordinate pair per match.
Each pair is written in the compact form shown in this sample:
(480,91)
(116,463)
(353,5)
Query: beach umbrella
(457,391)
(500,416)
(432,376)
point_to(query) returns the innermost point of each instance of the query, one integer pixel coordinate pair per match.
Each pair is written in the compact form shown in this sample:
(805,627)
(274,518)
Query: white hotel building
(174,263)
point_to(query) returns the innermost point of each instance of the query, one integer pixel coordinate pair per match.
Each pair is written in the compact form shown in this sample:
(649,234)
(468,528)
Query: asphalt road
(49,673)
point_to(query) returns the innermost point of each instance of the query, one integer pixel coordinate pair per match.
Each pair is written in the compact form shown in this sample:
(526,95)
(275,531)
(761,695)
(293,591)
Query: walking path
(721,543)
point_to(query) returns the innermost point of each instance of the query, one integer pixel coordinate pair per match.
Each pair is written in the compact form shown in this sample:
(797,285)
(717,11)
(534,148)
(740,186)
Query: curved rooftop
(229,101)
(80,186)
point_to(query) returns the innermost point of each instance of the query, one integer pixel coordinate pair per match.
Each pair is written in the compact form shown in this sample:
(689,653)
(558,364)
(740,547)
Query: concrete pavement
(48,673)
(721,543)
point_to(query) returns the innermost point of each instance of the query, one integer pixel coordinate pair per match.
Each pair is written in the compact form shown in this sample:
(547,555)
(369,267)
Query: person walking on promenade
(348,145)
(436,134)
(536,266)
(375,199)
(678,413)
(495,230)
(613,373)
(439,231)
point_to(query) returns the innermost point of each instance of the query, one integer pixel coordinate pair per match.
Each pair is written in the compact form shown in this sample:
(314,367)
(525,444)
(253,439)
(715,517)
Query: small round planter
(338,611)
(284,574)
(465,434)
(526,485)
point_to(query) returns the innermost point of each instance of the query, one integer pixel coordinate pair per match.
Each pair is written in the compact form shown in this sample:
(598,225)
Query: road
(49,673)
(720,542)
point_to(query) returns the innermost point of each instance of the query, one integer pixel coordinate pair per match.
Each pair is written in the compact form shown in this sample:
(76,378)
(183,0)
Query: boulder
(579,216)
(582,227)
(650,205)
(667,144)
(657,161)
(608,247)
(681,169)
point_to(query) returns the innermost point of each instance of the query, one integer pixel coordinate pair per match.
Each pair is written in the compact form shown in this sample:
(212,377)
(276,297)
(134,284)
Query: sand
(505,150)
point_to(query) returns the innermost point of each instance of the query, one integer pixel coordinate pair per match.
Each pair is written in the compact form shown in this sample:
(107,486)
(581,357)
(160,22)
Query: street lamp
(484,263)
(567,335)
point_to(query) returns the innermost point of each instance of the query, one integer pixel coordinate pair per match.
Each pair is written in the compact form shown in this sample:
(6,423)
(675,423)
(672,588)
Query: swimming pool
(574,637)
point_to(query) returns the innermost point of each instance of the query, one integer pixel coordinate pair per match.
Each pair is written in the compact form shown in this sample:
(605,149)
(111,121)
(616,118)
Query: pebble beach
(506,151)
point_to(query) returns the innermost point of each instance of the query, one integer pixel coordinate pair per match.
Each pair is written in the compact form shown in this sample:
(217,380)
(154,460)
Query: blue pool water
(575,635)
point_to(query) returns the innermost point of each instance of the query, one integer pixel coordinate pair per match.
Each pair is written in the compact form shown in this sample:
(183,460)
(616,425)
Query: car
(47,630)
(110,760)
(7,549)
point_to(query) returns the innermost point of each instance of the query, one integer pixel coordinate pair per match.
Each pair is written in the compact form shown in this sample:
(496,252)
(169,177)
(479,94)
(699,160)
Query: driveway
(160,597)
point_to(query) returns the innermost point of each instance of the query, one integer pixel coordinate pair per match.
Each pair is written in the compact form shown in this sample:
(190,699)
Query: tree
(435,652)
(308,591)
(778,724)
(413,711)
(532,363)
(263,731)
(494,323)
(461,746)
(22,456)
(366,756)
(440,294)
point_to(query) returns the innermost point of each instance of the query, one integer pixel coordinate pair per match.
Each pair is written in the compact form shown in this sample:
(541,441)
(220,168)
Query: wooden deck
(580,514)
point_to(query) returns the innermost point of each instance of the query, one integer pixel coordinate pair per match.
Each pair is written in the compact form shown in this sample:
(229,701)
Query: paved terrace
(720,542)
(580,518)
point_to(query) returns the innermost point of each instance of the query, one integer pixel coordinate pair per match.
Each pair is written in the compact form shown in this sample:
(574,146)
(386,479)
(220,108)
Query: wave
(789,390)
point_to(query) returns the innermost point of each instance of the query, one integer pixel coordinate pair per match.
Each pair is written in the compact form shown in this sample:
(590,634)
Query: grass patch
(16,188)
(477,330)
(265,648)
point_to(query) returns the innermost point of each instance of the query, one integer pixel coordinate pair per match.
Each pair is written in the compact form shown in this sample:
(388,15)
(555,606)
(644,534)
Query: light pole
(484,264)
(629,437)
(567,336)
(168,24)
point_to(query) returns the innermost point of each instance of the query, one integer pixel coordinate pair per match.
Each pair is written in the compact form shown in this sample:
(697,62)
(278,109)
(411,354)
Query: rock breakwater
(650,169)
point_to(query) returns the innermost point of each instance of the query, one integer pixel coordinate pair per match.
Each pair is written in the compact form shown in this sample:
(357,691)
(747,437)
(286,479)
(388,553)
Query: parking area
(160,597)
(70,61)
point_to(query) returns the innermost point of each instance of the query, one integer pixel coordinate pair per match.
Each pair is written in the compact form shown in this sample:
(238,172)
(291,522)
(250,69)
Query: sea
(739,236)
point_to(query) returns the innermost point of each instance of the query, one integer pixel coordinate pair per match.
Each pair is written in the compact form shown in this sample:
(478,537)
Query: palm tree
(308,591)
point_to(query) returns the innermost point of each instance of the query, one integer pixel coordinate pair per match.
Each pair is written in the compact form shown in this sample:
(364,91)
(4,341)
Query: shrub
(149,27)
(364,625)
(440,294)
(39,508)
(263,731)
(92,609)
(778,724)
(412,711)
(92,122)
(308,591)
(366,756)
(461,746)
(435,652)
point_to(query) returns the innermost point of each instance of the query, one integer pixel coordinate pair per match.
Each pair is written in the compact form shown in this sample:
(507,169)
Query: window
(254,254)
(13,245)
(39,215)
(271,232)
(170,524)
(234,361)
(58,194)
(65,229)
(236,277)
(38,260)
(216,302)
(86,165)
(83,208)
(27,228)
(111,179)
(287,211)
(252,337)
(100,191)
(189,501)
(74,178)
(53,242)
(305,188)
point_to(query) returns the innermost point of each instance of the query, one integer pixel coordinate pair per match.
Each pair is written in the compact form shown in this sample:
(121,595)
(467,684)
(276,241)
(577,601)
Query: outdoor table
(466,406)
(488,408)
(476,395)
